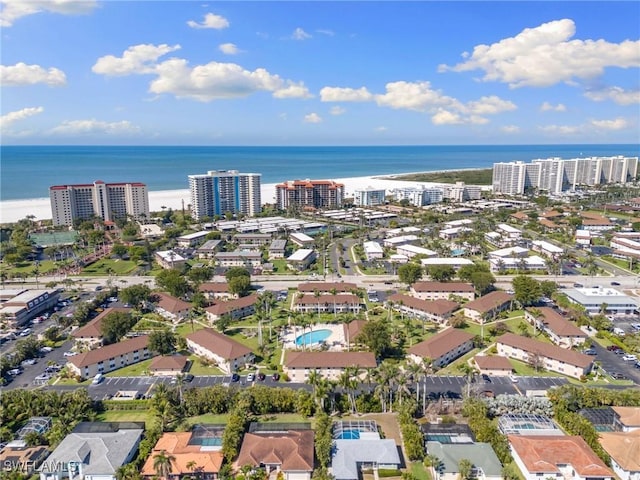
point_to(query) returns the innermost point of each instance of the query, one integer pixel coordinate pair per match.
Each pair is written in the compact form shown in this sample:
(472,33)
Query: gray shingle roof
(349,453)
(481,455)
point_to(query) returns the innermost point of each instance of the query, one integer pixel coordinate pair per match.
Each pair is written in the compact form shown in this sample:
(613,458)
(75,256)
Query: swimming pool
(350,435)
(311,338)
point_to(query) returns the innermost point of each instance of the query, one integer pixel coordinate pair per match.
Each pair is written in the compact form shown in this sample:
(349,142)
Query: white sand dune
(14,210)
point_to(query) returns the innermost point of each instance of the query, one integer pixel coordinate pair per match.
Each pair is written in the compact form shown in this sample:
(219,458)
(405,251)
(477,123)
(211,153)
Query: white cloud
(337,94)
(138,59)
(312,118)
(89,127)
(380,129)
(561,129)
(15,9)
(420,97)
(547,107)
(292,90)
(300,34)
(211,20)
(510,129)
(617,94)
(229,48)
(23,74)
(616,124)
(337,110)
(329,33)
(218,80)
(546,55)
(11,117)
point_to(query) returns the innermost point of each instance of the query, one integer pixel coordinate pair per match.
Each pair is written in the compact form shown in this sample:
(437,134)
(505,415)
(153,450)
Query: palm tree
(465,468)
(162,464)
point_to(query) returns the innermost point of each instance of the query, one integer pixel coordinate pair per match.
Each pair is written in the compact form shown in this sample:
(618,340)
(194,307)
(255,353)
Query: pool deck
(335,341)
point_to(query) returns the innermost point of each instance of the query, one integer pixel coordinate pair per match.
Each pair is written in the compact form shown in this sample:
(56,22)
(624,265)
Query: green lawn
(419,471)
(126,416)
(198,368)
(44,267)
(524,369)
(106,265)
(452,368)
(274,418)
(135,370)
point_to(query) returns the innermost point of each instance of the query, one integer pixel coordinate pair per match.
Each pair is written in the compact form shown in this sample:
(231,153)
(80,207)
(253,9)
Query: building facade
(107,201)
(369,197)
(220,191)
(309,193)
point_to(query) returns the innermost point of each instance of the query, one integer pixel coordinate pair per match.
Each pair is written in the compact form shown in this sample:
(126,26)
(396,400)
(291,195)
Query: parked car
(14,372)
(513,378)
(261,376)
(613,348)
(486,378)
(46,350)
(275,377)
(69,353)
(615,284)
(235,377)
(28,361)
(188,377)
(590,351)
(629,358)
(617,376)
(637,364)
(251,377)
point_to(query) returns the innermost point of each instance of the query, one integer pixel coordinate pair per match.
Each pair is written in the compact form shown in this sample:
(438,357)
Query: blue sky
(319,73)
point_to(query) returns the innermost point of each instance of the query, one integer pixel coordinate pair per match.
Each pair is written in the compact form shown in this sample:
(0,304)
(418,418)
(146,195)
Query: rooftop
(624,448)
(489,302)
(545,349)
(292,450)
(225,347)
(481,455)
(330,360)
(110,351)
(441,343)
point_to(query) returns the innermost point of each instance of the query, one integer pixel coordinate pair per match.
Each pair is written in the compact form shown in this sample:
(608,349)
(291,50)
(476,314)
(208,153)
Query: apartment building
(560,330)
(107,201)
(556,175)
(24,305)
(228,354)
(442,290)
(220,191)
(419,196)
(369,197)
(309,193)
(435,311)
(329,365)
(443,348)
(544,355)
(488,306)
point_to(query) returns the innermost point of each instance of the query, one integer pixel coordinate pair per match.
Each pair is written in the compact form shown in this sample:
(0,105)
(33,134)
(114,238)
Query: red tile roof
(438,307)
(493,362)
(221,345)
(93,329)
(110,351)
(491,301)
(330,360)
(344,299)
(311,287)
(558,324)
(171,304)
(441,343)
(545,349)
(292,450)
(168,362)
(215,287)
(543,454)
(232,305)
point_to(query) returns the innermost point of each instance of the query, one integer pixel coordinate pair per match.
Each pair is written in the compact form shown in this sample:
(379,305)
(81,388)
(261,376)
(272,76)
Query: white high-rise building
(107,201)
(369,197)
(555,175)
(220,191)
(419,196)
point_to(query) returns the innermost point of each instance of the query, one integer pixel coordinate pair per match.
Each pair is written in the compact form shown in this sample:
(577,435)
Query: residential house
(252,241)
(168,365)
(544,355)
(236,308)
(112,357)
(169,259)
(443,290)
(413,250)
(560,330)
(330,365)
(228,354)
(513,252)
(301,259)
(626,419)
(453,233)
(547,249)
(431,310)
(201,447)
(494,365)
(527,264)
(93,451)
(216,291)
(23,460)
(342,303)
(171,307)
(484,461)
(277,248)
(561,457)
(488,306)
(90,335)
(624,450)
(279,450)
(443,348)
(373,250)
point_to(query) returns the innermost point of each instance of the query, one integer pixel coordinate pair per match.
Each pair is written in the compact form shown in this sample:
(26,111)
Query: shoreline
(14,210)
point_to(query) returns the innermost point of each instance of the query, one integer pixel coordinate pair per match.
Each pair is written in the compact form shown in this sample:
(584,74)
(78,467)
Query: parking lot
(612,363)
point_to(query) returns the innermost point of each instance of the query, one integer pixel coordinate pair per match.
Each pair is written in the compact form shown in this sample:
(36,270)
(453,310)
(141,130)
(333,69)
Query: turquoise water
(350,435)
(167,168)
(311,338)
(209,442)
(457,252)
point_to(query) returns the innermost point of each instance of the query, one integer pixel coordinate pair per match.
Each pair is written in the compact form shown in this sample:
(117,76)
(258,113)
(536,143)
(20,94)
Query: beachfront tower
(309,194)
(369,197)
(107,201)
(220,191)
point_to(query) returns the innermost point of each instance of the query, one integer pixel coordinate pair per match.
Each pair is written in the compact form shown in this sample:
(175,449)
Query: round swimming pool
(311,338)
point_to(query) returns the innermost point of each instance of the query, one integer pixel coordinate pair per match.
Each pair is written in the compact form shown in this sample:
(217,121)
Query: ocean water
(28,171)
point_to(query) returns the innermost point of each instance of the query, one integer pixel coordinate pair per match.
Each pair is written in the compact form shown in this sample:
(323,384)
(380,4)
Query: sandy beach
(14,210)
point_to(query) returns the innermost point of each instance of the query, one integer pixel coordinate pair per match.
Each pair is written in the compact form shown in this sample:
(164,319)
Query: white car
(629,358)
(69,354)
(513,378)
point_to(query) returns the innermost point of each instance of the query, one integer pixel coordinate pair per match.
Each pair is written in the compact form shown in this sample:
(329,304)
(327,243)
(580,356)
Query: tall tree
(409,273)
(527,290)
(162,342)
(162,464)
